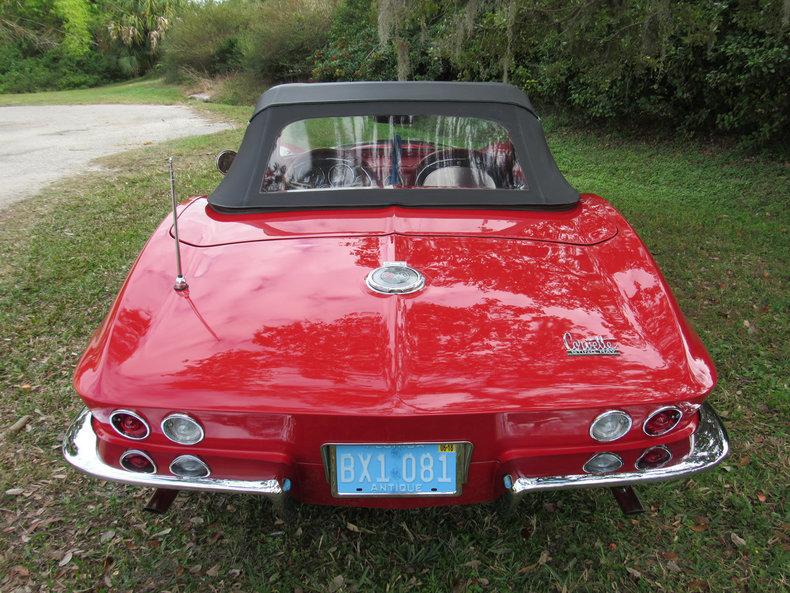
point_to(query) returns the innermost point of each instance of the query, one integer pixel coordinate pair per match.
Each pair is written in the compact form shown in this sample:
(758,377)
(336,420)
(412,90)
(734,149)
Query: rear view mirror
(395,120)
(225,160)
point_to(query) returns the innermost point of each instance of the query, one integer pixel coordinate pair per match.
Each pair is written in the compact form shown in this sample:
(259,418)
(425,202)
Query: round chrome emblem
(395,278)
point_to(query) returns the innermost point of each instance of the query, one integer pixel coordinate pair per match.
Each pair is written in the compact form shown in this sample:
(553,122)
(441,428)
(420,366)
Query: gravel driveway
(41,144)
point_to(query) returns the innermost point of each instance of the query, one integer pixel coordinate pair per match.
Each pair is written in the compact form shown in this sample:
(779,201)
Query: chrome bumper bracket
(160,501)
(627,500)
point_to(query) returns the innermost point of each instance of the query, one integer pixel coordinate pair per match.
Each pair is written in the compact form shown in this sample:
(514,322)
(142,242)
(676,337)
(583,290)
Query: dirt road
(41,144)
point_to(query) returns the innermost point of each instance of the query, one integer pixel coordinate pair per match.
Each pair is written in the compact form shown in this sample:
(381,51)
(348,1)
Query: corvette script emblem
(596,346)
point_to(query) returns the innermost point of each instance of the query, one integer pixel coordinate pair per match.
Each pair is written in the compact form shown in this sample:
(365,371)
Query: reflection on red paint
(278,328)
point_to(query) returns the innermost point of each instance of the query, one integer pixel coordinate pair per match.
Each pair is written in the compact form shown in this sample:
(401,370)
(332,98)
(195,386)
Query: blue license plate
(397,470)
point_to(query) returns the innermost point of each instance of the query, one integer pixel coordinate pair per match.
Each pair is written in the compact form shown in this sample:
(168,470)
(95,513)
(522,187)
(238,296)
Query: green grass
(333,132)
(717,224)
(147,90)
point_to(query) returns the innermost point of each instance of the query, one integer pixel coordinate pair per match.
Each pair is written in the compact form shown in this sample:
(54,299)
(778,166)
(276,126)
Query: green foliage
(21,72)
(76,17)
(207,39)
(238,89)
(139,26)
(284,35)
(691,65)
(352,51)
(696,65)
(60,44)
(272,40)
(355,51)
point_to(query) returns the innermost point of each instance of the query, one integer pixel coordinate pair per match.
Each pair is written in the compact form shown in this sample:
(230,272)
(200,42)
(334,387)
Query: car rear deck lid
(586,224)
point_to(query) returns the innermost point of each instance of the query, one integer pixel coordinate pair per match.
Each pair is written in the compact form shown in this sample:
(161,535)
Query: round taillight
(189,466)
(662,421)
(653,458)
(129,424)
(137,461)
(603,463)
(610,426)
(182,429)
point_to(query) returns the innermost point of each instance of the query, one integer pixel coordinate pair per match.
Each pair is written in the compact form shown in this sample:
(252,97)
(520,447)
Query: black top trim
(362,92)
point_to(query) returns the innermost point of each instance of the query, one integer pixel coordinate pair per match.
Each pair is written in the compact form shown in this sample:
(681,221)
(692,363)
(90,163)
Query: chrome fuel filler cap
(395,278)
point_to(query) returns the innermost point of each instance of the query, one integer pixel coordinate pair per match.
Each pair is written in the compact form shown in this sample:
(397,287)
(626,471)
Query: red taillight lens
(653,457)
(662,421)
(137,461)
(129,424)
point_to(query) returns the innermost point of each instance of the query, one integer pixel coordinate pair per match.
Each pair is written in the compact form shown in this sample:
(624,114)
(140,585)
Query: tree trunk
(402,54)
(508,58)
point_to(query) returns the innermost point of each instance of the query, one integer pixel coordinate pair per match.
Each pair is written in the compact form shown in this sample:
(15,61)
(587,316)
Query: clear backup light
(182,429)
(610,426)
(653,458)
(189,466)
(129,424)
(662,421)
(137,461)
(603,463)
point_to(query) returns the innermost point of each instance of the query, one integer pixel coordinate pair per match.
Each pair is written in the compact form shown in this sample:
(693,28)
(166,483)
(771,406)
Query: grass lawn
(147,90)
(718,225)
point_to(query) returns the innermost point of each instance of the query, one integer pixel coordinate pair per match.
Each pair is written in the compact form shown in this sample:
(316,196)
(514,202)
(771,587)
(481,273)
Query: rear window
(393,151)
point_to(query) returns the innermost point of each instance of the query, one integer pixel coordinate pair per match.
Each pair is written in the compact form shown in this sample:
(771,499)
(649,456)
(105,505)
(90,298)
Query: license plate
(420,469)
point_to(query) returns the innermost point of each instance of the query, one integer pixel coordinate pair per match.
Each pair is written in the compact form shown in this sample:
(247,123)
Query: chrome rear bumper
(709,447)
(80,450)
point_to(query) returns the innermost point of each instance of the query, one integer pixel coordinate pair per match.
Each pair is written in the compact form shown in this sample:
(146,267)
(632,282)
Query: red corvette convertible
(394,299)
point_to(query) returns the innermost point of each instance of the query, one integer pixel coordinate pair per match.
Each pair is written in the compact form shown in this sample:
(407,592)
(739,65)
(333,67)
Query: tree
(140,25)
(76,17)
(392,14)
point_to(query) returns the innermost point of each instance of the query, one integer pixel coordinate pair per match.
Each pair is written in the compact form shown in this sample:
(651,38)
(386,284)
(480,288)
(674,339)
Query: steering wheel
(463,170)
(328,168)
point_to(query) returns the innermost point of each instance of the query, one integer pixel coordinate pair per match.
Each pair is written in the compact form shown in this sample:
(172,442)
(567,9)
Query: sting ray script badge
(596,346)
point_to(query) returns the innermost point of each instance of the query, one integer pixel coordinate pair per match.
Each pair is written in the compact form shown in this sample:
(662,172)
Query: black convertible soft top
(284,104)
(357,92)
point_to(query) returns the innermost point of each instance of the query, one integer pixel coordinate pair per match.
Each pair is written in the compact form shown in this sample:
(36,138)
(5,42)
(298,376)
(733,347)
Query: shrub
(207,38)
(690,65)
(242,88)
(59,44)
(352,51)
(76,16)
(137,28)
(696,66)
(284,35)
(271,40)
(53,70)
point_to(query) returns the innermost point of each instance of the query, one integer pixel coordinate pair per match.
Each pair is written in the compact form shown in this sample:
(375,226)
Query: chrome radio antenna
(181,282)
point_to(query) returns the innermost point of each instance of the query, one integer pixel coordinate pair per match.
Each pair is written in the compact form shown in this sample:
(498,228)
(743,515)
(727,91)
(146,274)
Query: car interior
(402,160)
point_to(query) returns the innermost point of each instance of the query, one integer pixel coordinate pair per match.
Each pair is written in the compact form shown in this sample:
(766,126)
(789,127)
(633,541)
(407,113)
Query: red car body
(278,348)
